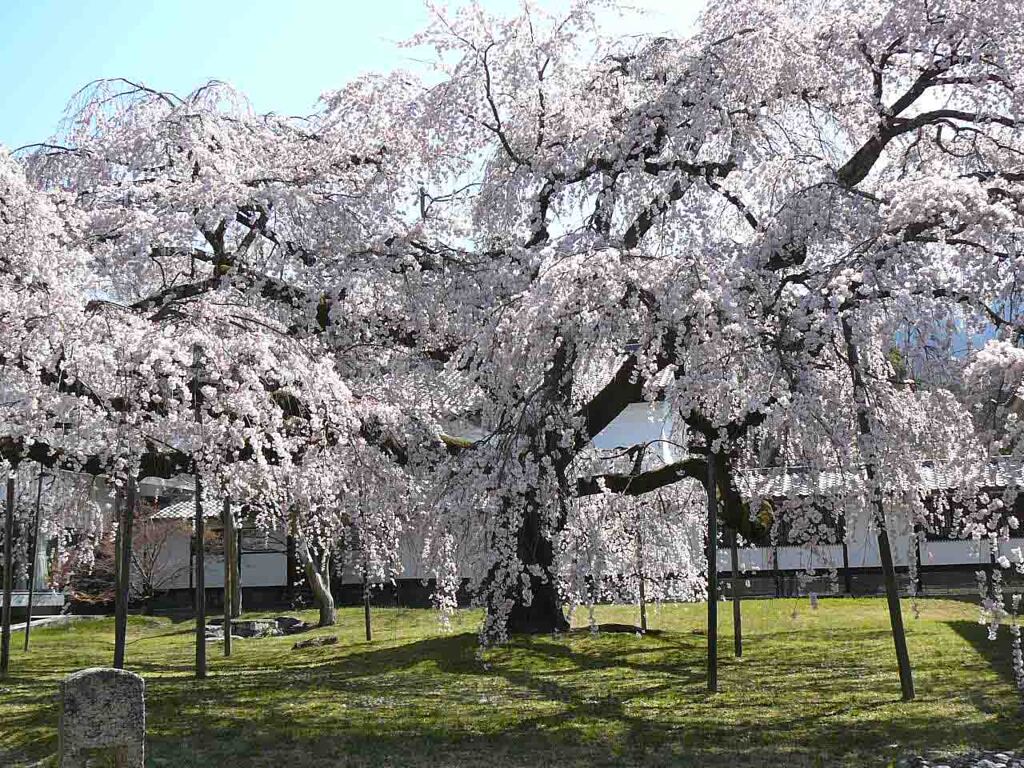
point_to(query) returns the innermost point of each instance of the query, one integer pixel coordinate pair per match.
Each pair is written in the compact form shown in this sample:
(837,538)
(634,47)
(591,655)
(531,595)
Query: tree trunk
(319,582)
(123,579)
(892,594)
(542,616)
(33,552)
(544,613)
(5,620)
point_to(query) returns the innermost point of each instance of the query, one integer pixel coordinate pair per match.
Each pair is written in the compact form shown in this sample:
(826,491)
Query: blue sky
(281,53)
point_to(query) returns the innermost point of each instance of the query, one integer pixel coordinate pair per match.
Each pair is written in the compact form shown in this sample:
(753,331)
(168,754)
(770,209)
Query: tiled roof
(1000,472)
(184,510)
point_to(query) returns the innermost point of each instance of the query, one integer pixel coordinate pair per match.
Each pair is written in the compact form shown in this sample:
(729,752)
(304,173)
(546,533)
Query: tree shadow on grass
(996,652)
(636,714)
(509,750)
(538,701)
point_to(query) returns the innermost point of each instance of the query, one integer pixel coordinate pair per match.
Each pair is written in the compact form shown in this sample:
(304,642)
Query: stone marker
(103,719)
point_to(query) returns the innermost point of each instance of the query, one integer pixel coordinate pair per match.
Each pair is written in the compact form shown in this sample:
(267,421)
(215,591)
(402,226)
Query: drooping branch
(857,168)
(645,482)
(152,463)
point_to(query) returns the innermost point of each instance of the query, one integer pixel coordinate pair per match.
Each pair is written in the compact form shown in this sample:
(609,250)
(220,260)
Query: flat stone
(316,642)
(256,628)
(218,637)
(57,621)
(292,626)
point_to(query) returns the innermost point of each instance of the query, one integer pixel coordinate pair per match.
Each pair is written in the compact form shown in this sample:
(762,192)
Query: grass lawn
(814,688)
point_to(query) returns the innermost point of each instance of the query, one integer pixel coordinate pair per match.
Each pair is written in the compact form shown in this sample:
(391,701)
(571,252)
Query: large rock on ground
(255,628)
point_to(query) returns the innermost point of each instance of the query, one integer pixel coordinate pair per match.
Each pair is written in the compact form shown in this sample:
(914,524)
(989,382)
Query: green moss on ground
(814,688)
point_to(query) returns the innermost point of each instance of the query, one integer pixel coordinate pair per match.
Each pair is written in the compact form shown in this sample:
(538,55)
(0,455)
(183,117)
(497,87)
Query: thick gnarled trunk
(319,581)
(542,616)
(544,613)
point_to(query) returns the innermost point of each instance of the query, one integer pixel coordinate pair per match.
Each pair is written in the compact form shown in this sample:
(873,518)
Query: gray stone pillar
(103,719)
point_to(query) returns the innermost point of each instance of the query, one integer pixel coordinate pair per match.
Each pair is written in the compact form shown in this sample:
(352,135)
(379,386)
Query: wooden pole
(229,571)
(200,582)
(32,560)
(918,576)
(892,594)
(118,601)
(291,567)
(712,558)
(200,527)
(847,576)
(123,578)
(892,597)
(737,616)
(5,629)
(776,575)
(366,607)
(236,595)
(642,585)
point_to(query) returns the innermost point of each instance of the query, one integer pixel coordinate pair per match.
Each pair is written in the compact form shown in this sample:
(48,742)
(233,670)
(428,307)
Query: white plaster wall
(1013,549)
(270,569)
(264,570)
(259,569)
(953,553)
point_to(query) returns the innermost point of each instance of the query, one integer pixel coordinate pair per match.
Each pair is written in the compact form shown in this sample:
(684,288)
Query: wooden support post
(5,620)
(737,616)
(236,596)
(988,570)
(33,552)
(229,568)
(366,607)
(200,527)
(918,576)
(123,578)
(643,605)
(776,575)
(118,560)
(642,585)
(200,581)
(892,594)
(712,564)
(892,597)
(847,576)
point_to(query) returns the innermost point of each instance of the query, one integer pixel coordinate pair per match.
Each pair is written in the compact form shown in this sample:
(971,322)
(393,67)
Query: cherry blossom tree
(162,255)
(418,307)
(743,224)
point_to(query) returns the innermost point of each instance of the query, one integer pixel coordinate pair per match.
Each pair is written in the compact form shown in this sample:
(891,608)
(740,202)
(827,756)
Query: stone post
(103,719)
